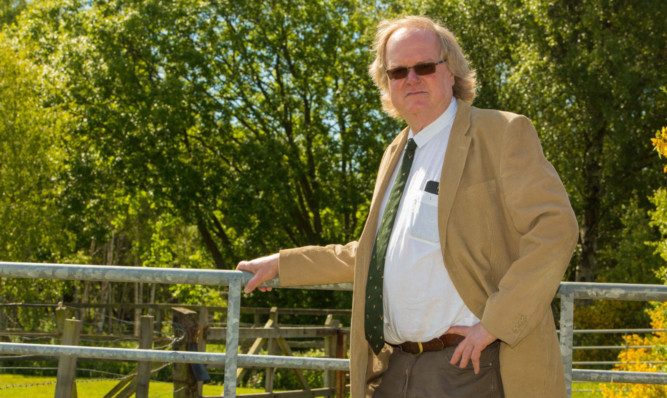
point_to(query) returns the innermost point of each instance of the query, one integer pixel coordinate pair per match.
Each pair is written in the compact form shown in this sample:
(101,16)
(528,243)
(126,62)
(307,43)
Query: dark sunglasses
(420,69)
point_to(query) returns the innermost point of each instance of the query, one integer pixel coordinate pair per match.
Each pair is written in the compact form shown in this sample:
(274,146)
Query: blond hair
(464,77)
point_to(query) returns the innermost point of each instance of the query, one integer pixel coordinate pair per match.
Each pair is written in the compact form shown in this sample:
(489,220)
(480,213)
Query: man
(468,235)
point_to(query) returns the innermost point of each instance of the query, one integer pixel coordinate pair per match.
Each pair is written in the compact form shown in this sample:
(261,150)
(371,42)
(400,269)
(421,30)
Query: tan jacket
(507,233)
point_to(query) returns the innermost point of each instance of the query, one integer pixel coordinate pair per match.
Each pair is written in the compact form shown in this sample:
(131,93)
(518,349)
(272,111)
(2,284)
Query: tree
(256,122)
(9,9)
(30,159)
(640,358)
(589,75)
(591,84)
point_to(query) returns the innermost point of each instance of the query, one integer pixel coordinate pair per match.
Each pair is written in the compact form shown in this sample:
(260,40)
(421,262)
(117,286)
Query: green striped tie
(374,309)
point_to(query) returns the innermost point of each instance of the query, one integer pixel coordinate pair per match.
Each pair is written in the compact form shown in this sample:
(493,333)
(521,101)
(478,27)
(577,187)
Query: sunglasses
(421,69)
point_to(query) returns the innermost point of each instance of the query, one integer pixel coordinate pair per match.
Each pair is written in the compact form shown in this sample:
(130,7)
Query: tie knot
(411,147)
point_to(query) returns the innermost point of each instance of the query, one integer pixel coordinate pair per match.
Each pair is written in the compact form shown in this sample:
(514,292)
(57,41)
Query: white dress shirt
(420,301)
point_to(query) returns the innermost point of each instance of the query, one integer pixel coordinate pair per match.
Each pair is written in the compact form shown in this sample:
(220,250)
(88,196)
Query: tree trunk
(593,192)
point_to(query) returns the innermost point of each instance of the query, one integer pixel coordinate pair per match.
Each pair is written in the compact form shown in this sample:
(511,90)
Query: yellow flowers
(660,143)
(643,359)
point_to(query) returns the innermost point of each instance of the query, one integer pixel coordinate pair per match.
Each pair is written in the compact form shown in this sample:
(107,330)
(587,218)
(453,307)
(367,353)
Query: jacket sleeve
(540,214)
(315,265)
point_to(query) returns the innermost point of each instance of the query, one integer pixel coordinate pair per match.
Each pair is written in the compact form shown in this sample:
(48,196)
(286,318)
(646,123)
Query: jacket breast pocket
(424,225)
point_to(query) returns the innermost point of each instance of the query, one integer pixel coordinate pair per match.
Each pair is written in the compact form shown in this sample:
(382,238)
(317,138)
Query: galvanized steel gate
(568,292)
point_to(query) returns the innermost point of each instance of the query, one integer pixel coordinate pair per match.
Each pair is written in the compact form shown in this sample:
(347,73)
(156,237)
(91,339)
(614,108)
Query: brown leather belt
(437,344)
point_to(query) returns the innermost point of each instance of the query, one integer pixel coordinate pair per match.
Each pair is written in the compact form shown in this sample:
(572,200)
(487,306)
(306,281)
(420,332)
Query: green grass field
(588,390)
(45,387)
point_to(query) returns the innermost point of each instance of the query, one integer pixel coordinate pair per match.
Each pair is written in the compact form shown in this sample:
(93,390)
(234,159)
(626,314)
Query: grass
(45,387)
(589,390)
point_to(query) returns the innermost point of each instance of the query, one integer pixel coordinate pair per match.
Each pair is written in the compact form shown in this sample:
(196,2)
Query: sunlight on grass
(589,390)
(45,387)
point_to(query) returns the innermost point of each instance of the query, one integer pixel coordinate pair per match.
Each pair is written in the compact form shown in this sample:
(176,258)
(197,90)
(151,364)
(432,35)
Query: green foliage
(591,86)
(197,133)
(29,162)
(606,314)
(589,75)
(659,220)
(261,130)
(9,10)
(631,259)
(285,379)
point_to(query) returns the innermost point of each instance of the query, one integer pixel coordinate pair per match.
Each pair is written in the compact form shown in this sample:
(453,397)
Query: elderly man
(468,235)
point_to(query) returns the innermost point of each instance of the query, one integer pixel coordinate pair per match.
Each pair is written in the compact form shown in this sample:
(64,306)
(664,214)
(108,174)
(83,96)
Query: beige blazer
(507,233)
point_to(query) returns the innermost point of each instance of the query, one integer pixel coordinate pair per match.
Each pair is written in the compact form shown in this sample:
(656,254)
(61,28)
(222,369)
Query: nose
(412,76)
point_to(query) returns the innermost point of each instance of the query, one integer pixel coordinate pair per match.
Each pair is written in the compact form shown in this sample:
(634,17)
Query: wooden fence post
(341,353)
(184,321)
(203,325)
(201,340)
(330,344)
(65,387)
(144,367)
(272,349)
(61,314)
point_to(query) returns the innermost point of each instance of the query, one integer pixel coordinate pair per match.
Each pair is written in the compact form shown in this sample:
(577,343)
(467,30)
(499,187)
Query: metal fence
(568,292)
(622,349)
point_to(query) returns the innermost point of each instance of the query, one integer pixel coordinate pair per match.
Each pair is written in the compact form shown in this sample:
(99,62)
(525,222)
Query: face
(418,99)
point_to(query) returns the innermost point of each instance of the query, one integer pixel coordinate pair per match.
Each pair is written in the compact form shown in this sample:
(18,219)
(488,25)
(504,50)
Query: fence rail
(568,292)
(207,358)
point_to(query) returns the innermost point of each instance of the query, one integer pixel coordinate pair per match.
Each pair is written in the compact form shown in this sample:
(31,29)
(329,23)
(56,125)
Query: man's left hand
(476,340)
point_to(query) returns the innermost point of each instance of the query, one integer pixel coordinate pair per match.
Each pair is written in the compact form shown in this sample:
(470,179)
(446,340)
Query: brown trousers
(430,375)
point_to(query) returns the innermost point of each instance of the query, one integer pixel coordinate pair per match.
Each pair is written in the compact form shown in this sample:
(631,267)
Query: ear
(451,77)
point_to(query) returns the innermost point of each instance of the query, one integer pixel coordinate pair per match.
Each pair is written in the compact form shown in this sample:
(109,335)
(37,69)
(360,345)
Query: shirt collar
(438,125)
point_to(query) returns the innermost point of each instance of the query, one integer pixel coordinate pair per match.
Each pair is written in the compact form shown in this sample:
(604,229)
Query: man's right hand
(264,268)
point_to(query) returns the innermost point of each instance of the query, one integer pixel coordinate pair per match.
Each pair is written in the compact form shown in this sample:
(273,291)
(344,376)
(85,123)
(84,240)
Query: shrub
(640,359)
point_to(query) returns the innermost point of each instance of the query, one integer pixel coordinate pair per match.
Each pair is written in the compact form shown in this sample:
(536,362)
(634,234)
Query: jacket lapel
(452,168)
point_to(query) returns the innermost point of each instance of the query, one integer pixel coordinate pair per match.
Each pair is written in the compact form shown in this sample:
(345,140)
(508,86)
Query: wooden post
(138,297)
(203,322)
(144,367)
(272,349)
(341,353)
(184,321)
(65,387)
(330,345)
(61,314)
(201,341)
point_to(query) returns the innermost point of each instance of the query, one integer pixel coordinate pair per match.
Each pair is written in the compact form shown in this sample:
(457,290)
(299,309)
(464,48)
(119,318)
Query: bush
(639,359)
(605,314)
(285,379)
